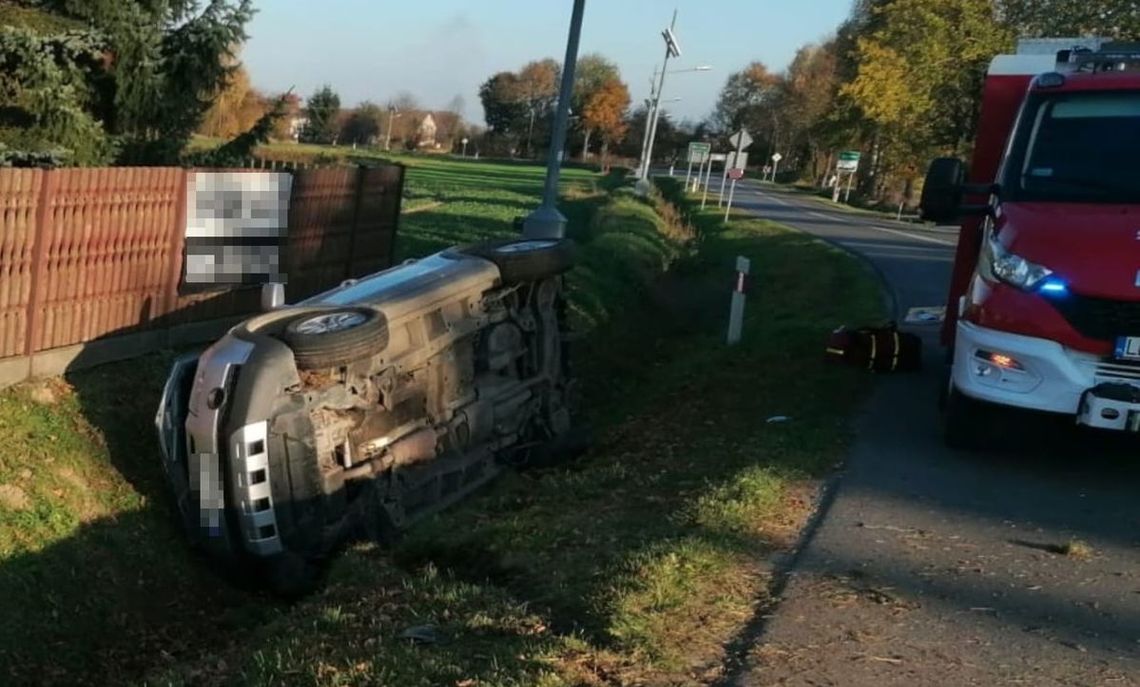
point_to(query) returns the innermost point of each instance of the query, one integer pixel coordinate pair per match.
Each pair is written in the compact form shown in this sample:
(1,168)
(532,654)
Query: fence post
(357,201)
(39,256)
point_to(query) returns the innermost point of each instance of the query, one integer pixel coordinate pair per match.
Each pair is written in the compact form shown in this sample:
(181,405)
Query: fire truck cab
(1044,304)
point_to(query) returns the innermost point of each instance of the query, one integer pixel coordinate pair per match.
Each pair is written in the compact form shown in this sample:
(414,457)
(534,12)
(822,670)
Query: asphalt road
(931,567)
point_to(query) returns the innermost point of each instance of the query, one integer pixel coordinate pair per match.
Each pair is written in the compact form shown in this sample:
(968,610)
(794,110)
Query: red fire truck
(1044,303)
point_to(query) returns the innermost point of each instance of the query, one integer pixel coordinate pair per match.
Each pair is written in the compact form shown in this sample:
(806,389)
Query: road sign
(719,157)
(776,157)
(848,161)
(736,161)
(699,152)
(740,140)
(736,173)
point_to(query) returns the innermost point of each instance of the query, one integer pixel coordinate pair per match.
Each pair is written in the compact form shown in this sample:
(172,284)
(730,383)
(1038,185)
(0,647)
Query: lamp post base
(544,223)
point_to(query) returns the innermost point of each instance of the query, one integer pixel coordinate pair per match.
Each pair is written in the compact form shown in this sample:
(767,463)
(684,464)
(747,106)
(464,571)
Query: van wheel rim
(331,322)
(525,246)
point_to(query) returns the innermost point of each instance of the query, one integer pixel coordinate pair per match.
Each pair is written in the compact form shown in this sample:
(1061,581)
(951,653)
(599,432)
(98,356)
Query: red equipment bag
(879,349)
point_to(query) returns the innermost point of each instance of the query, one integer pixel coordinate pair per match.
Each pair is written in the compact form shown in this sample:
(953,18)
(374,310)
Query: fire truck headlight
(998,264)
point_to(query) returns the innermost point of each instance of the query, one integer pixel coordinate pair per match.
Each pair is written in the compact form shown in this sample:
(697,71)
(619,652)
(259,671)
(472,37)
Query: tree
(750,99)
(810,89)
(362,125)
(234,152)
(323,110)
(235,109)
(605,111)
(1034,18)
(132,82)
(291,109)
(537,89)
(503,108)
(591,73)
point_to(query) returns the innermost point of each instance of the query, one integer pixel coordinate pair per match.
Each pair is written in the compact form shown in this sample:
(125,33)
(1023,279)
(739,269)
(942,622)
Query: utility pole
(392,114)
(547,221)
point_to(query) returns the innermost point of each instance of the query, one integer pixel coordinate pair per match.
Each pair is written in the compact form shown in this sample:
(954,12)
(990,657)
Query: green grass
(637,562)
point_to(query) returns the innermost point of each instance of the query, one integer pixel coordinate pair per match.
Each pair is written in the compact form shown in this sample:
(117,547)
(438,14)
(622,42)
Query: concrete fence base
(59,361)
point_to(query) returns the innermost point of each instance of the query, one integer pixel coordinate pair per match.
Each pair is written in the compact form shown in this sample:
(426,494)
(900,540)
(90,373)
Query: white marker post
(708,174)
(723,180)
(736,312)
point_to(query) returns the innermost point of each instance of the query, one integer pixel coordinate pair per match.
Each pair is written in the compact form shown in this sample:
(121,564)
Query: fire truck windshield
(1076,148)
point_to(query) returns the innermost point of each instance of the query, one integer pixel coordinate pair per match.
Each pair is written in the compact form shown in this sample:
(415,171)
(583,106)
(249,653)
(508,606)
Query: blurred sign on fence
(236,226)
(101,253)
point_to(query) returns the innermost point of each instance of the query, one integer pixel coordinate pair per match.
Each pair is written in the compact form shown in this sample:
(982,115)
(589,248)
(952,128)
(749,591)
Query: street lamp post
(546,221)
(671,50)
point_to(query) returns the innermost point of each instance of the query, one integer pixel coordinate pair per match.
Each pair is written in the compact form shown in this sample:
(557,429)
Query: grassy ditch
(637,562)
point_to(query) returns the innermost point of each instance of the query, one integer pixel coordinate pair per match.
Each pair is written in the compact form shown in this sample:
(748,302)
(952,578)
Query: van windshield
(1076,148)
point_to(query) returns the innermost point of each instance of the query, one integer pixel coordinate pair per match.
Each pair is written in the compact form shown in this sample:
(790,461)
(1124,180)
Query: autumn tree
(323,111)
(1118,19)
(592,72)
(604,112)
(537,89)
(810,88)
(920,75)
(750,98)
(235,109)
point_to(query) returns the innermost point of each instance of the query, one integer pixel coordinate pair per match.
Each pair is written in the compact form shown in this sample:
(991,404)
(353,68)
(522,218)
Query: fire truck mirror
(942,191)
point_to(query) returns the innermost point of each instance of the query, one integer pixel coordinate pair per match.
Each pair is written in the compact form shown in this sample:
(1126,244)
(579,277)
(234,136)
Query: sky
(437,49)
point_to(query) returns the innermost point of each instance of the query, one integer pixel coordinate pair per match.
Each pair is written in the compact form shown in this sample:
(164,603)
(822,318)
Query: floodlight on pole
(671,50)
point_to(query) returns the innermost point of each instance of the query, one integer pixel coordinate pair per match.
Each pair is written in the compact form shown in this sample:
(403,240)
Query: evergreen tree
(323,110)
(115,80)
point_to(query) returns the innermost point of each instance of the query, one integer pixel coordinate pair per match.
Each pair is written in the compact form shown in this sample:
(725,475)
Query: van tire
(527,260)
(365,335)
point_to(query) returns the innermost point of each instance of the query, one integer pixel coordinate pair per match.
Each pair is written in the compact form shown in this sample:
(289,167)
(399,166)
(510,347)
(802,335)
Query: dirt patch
(83,498)
(48,392)
(14,498)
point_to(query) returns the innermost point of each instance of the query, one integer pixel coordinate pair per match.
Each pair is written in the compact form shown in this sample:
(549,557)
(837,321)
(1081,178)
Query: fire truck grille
(1100,318)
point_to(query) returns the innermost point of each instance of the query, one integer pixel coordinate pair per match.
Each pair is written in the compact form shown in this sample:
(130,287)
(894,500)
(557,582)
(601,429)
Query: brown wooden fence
(91,253)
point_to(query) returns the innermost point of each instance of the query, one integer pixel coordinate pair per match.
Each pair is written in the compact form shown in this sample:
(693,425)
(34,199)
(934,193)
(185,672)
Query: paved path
(930,567)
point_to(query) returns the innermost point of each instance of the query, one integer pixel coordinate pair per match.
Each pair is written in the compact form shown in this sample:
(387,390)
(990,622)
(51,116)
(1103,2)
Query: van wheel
(526,260)
(965,422)
(332,338)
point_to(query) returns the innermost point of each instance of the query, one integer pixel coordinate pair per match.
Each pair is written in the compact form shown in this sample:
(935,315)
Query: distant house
(296,126)
(425,134)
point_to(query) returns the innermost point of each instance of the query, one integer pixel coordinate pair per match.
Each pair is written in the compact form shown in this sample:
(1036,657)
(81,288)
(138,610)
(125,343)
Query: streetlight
(392,114)
(671,50)
(654,113)
(546,221)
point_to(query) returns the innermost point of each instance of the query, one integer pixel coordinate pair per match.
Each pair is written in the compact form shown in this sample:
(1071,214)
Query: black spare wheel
(522,260)
(333,338)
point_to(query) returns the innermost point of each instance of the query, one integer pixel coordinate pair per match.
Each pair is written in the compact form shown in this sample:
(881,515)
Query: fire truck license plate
(1128,348)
